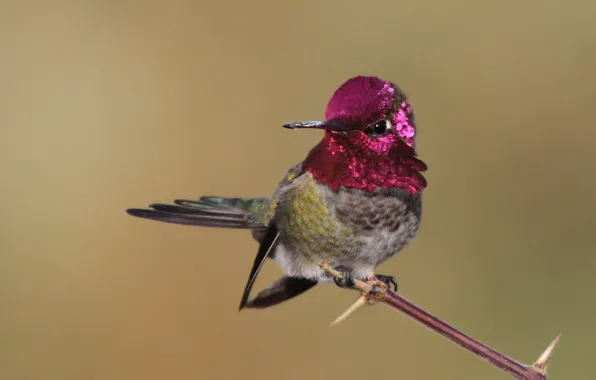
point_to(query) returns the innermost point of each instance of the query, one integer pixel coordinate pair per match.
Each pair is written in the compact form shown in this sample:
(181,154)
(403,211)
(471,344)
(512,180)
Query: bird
(353,202)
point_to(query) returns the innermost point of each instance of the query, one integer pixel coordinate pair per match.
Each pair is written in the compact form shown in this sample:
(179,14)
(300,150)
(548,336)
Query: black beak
(326,125)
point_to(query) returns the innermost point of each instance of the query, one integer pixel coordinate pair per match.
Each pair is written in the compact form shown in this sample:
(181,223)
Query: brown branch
(376,291)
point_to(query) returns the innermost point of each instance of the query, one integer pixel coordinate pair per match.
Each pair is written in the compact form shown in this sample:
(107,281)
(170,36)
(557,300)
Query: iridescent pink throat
(349,162)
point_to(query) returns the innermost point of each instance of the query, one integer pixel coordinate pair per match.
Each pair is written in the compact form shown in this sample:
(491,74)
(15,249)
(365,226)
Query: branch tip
(543,361)
(373,290)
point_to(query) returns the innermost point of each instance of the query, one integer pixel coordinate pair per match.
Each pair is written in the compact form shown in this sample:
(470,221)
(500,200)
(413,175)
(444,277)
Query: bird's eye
(379,128)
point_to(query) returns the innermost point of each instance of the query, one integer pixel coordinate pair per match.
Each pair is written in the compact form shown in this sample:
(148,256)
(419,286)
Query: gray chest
(386,220)
(351,228)
(387,210)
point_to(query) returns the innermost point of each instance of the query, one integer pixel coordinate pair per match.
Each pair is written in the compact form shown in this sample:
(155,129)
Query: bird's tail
(209,211)
(247,213)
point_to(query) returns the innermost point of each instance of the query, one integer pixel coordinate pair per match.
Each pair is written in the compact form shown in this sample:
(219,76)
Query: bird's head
(369,139)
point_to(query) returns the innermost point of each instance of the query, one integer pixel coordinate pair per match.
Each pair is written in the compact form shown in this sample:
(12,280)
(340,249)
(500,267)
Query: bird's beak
(326,125)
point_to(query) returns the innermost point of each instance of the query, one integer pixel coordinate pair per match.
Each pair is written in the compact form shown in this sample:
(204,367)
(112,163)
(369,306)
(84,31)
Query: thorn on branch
(376,291)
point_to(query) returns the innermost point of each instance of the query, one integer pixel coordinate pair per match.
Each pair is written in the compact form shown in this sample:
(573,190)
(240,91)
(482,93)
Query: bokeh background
(106,105)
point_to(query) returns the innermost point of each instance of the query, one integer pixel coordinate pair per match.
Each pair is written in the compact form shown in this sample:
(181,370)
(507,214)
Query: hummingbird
(352,203)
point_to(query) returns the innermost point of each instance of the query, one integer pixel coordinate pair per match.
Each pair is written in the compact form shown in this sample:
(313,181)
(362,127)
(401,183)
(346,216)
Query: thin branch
(377,291)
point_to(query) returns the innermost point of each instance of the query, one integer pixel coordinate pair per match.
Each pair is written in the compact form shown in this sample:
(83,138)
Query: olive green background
(106,105)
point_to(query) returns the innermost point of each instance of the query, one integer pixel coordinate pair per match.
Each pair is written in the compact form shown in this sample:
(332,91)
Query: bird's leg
(346,280)
(389,281)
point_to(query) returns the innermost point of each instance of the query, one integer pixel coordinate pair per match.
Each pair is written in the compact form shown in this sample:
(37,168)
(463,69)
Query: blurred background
(106,105)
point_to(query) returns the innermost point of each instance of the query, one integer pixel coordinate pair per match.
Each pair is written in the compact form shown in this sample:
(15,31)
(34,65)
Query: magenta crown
(363,100)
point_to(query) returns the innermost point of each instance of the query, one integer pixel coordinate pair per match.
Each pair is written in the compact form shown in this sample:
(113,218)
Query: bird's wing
(267,244)
(211,211)
(216,211)
(267,240)
(257,214)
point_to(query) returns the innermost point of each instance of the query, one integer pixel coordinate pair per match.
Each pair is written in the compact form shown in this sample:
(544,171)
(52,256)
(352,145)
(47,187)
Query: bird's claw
(389,281)
(346,280)
(372,289)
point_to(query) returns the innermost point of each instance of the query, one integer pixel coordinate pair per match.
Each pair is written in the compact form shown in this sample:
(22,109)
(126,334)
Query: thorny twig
(376,291)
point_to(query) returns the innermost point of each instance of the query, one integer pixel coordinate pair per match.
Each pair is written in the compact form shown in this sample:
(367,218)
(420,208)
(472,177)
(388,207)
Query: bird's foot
(346,280)
(389,281)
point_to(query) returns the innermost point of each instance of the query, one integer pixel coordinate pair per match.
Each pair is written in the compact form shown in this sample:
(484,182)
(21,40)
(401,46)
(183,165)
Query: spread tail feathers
(280,291)
(247,213)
